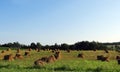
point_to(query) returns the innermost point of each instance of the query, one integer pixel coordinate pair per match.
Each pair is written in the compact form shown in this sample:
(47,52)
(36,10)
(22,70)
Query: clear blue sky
(59,21)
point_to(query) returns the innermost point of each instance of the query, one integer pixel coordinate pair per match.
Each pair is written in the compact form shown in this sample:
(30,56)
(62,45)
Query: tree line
(83,45)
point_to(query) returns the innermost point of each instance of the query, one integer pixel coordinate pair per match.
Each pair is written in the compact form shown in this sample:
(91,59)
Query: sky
(59,21)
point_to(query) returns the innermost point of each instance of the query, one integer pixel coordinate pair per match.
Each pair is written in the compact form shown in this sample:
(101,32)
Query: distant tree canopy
(14,44)
(83,45)
(38,45)
(65,46)
(33,45)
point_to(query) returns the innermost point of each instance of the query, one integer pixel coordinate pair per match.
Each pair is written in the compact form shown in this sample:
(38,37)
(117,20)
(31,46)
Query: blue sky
(59,21)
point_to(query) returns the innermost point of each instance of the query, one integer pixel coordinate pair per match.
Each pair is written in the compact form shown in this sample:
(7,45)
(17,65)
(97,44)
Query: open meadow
(68,61)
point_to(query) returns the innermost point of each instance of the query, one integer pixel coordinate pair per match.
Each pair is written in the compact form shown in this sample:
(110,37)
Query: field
(67,62)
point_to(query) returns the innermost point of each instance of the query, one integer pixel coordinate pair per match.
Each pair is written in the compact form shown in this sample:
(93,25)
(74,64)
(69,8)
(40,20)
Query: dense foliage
(83,45)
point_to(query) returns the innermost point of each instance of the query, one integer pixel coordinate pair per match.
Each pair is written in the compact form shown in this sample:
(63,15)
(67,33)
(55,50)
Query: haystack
(9,57)
(57,55)
(118,59)
(27,53)
(18,56)
(81,55)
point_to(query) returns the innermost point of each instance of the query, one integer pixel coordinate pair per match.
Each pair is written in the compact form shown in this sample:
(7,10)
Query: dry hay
(106,51)
(94,49)
(37,49)
(51,59)
(53,51)
(39,62)
(68,50)
(18,56)
(18,50)
(99,57)
(102,58)
(48,59)
(8,49)
(2,54)
(47,49)
(105,59)
(118,51)
(9,57)
(118,59)
(81,55)
(57,55)
(27,53)
(44,60)
(29,49)
(2,51)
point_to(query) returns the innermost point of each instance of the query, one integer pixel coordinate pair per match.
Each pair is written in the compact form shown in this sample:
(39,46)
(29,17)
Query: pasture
(67,62)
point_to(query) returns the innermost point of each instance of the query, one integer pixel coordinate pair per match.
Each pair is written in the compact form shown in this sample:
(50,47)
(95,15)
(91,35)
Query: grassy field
(68,62)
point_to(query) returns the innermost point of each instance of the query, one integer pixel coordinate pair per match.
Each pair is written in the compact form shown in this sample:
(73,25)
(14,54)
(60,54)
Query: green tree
(16,44)
(33,45)
(39,46)
(64,46)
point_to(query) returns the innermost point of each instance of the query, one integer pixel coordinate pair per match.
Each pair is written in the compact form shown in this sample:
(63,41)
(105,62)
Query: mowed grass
(68,62)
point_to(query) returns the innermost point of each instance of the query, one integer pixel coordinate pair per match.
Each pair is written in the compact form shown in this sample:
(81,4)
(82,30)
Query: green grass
(68,62)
